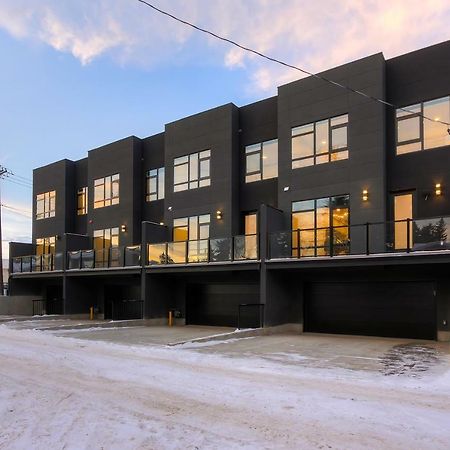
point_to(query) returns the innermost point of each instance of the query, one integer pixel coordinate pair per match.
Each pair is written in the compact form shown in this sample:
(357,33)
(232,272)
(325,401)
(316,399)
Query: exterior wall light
(219,215)
(438,189)
(161,223)
(123,228)
(365,195)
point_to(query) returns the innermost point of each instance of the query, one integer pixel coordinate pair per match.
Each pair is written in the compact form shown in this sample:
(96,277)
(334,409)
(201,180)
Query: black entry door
(218,304)
(391,309)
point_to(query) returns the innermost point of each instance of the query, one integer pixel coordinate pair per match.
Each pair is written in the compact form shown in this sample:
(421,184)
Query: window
(251,238)
(191,171)
(155,184)
(103,241)
(320,142)
(45,246)
(45,205)
(82,201)
(106,191)
(403,205)
(261,161)
(195,230)
(314,219)
(415,133)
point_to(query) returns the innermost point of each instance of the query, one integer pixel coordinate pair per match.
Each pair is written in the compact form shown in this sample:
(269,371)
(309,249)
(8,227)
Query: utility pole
(3,172)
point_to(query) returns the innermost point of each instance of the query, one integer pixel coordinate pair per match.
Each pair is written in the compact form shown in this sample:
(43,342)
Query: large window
(45,246)
(320,142)
(103,241)
(82,201)
(403,210)
(261,161)
(45,205)
(106,191)
(313,222)
(155,184)
(191,171)
(195,230)
(415,132)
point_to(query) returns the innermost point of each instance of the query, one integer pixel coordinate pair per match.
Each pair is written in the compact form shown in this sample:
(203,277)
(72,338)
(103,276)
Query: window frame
(83,193)
(48,245)
(258,149)
(316,155)
(193,182)
(156,174)
(48,202)
(109,183)
(420,114)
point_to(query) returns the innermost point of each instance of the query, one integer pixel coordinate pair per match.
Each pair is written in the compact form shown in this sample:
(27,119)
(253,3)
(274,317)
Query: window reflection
(261,161)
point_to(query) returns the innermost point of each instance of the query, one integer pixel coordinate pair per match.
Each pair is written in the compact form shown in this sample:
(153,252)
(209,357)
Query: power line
(28,180)
(291,66)
(17,210)
(18,183)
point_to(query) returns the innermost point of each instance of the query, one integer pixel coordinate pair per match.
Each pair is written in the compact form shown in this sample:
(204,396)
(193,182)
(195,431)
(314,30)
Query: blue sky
(81,73)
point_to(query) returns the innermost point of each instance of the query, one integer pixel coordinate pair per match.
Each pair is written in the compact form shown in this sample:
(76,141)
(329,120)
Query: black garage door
(392,309)
(217,304)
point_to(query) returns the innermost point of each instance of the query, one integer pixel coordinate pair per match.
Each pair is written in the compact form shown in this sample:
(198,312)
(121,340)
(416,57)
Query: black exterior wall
(284,288)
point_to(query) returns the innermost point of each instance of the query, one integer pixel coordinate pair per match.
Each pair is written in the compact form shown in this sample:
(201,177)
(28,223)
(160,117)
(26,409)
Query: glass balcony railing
(36,263)
(401,236)
(237,248)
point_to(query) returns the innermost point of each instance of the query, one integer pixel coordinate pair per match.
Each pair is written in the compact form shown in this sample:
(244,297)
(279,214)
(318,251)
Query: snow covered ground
(68,393)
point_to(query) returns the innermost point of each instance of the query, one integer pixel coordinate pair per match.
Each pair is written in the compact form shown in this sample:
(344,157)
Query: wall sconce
(219,215)
(438,189)
(161,223)
(365,195)
(123,228)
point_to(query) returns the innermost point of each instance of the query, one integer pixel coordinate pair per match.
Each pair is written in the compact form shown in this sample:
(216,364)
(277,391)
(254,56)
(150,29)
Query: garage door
(393,309)
(217,304)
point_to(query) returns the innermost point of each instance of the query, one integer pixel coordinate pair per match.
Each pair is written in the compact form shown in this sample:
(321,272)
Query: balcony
(81,259)
(212,250)
(396,237)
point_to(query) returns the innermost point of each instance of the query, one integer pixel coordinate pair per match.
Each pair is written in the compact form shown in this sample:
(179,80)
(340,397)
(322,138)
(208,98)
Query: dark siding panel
(393,309)
(217,304)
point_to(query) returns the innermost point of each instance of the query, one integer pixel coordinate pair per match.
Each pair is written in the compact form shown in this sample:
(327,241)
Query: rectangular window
(313,221)
(82,201)
(320,142)
(251,238)
(45,246)
(106,191)
(191,171)
(261,161)
(45,205)
(403,209)
(415,132)
(103,241)
(155,184)
(194,230)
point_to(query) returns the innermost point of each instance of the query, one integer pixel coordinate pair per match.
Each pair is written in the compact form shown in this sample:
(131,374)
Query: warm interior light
(218,214)
(365,195)
(438,189)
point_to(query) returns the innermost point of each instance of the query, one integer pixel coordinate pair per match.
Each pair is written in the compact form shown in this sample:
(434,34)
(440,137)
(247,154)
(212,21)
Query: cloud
(312,34)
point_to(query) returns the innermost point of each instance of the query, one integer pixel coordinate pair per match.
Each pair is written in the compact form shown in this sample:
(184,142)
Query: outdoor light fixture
(219,215)
(365,195)
(123,228)
(438,189)
(161,223)
(286,188)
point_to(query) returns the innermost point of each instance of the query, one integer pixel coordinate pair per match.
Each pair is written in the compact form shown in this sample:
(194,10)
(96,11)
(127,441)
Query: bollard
(91,313)
(170,318)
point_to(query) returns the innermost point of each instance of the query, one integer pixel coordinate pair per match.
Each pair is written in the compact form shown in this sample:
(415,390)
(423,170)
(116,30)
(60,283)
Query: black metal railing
(48,307)
(105,258)
(400,236)
(237,248)
(250,315)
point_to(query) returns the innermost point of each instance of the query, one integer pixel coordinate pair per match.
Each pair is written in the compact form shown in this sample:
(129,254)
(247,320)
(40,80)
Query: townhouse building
(318,207)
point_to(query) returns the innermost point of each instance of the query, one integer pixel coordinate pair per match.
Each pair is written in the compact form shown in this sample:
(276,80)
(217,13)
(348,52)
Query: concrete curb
(290,328)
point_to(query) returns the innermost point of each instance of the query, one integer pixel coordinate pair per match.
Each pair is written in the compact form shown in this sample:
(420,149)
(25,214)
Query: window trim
(420,114)
(111,199)
(313,132)
(160,173)
(199,178)
(259,150)
(46,200)
(83,191)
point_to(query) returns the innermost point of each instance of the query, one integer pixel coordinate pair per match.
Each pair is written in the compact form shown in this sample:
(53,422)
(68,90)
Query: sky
(78,74)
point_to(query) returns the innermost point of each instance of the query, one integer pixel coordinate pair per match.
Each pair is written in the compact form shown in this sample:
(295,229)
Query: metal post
(232,248)
(298,242)
(331,241)
(367,239)
(408,235)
